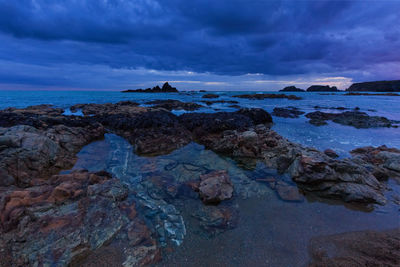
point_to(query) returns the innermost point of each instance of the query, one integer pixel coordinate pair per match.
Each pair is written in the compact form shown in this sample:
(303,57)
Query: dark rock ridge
(62,219)
(291,89)
(107,108)
(210,96)
(210,102)
(376,94)
(350,118)
(166,88)
(170,104)
(338,108)
(289,112)
(322,88)
(362,248)
(378,86)
(263,96)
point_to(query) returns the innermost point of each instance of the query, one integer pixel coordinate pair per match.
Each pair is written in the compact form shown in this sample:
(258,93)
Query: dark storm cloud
(231,38)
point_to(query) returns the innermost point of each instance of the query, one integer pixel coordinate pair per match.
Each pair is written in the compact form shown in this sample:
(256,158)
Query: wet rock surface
(63,219)
(350,118)
(264,96)
(108,108)
(36,145)
(215,187)
(290,112)
(364,248)
(135,221)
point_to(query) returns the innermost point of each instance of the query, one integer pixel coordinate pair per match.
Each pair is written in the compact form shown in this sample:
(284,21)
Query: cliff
(378,86)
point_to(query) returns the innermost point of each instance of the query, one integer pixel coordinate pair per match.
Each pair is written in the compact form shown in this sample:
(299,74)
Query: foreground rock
(36,145)
(364,248)
(351,118)
(312,170)
(385,161)
(291,89)
(322,88)
(62,220)
(379,86)
(166,88)
(244,134)
(290,112)
(264,96)
(215,187)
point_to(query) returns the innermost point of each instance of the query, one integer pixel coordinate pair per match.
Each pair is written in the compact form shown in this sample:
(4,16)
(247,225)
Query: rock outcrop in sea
(291,89)
(166,88)
(322,88)
(356,119)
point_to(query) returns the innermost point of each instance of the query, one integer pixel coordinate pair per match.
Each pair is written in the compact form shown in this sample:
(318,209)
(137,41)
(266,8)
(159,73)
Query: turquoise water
(334,136)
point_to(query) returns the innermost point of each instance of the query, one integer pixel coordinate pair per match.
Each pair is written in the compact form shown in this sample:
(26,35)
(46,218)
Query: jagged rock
(28,152)
(65,218)
(166,88)
(152,132)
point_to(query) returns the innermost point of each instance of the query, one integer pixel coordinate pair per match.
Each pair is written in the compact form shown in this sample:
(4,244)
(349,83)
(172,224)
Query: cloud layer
(112,44)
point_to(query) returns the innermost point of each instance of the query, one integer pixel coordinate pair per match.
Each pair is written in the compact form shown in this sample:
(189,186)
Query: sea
(265,230)
(334,136)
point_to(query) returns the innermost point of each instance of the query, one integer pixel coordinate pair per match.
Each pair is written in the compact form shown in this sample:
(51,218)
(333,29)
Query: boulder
(215,187)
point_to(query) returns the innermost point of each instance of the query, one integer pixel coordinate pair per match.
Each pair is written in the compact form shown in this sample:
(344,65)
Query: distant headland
(377,86)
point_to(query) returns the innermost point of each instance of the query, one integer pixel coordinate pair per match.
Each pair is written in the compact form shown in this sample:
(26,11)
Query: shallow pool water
(263,230)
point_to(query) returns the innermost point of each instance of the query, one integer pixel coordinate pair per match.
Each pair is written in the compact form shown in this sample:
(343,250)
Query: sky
(196,44)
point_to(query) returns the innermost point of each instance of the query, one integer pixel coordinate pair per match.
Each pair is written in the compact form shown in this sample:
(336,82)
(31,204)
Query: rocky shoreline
(64,218)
